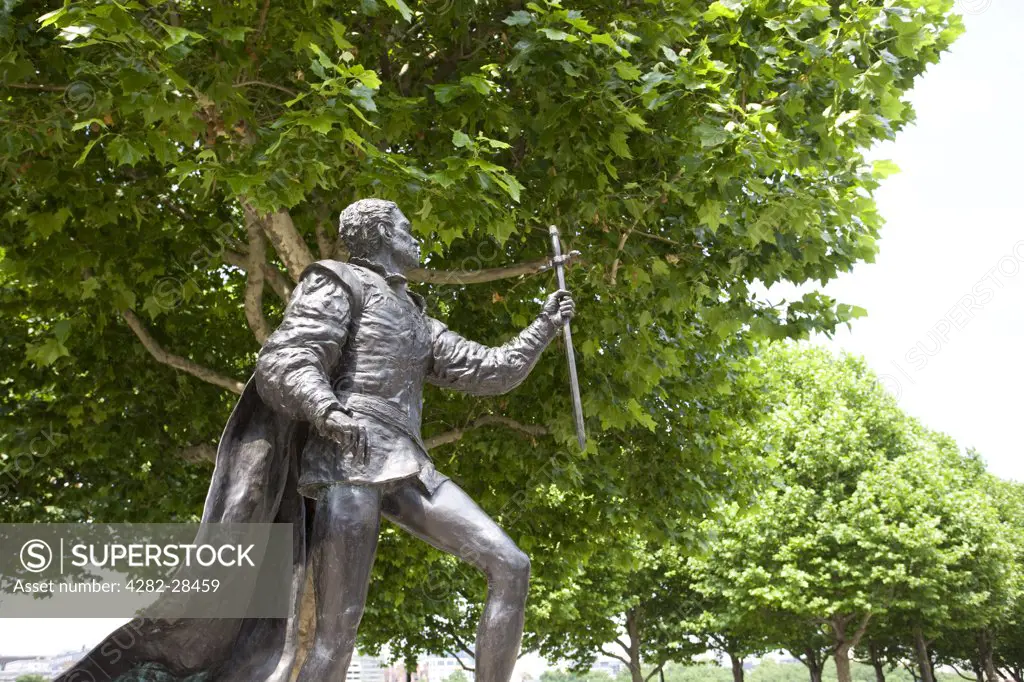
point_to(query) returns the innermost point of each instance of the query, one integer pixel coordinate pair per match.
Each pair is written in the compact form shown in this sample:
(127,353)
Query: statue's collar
(390,278)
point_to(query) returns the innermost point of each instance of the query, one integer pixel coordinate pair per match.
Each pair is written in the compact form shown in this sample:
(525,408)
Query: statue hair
(364,224)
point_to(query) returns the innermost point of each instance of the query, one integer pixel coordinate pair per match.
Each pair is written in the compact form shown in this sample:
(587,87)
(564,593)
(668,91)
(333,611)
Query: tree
(806,551)
(1005,646)
(964,578)
(170,170)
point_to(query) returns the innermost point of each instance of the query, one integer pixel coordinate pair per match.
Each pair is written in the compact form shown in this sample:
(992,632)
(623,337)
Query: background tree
(808,551)
(1007,646)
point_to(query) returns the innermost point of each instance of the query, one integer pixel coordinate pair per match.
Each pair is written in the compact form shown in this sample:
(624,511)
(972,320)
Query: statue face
(404,246)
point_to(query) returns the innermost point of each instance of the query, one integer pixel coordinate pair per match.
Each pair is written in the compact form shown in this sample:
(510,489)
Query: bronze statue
(332,414)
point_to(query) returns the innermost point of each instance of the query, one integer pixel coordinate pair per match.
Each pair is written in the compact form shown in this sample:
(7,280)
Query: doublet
(369,353)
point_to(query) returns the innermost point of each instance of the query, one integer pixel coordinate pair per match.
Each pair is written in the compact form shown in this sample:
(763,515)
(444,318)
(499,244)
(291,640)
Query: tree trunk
(814,665)
(924,662)
(988,664)
(876,663)
(633,630)
(842,658)
(737,667)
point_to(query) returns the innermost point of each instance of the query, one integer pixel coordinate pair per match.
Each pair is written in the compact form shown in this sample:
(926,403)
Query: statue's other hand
(560,307)
(345,431)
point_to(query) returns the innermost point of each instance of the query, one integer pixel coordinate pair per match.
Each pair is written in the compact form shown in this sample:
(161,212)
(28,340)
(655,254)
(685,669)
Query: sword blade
(570,354)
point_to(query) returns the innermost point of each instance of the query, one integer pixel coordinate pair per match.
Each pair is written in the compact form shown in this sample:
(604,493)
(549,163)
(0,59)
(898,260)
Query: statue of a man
(332,413)
(351,358)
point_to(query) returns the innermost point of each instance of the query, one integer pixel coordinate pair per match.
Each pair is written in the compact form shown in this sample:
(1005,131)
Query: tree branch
(290,246)
(622,644)
(464,647)
(266,84)
(532,430)
(532,267)
(323,240)
(861,629)
(203,452)
(656,670)
(277,280)
(254,283)
(616,656)
(615,264)
(957,671)
(625,235)
(176,361)
(37,88)
(263,20)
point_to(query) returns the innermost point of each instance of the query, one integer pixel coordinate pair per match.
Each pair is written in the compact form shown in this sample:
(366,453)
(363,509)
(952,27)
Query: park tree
(633,603)
(805,551)
(1003,637)
(964,578)
(876,533)
(170,169)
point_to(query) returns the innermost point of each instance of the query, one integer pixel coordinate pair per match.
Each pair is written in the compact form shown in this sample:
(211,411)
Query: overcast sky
(945,298)
(954,230)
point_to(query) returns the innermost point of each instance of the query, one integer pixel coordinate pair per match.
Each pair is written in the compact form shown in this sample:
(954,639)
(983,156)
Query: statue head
(377,231)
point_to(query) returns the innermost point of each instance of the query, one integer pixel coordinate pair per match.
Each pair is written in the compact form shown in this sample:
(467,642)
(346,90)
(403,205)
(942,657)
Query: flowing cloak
(255,480)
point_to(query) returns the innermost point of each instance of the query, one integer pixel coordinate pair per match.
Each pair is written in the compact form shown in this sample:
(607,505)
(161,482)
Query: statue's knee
(514,569)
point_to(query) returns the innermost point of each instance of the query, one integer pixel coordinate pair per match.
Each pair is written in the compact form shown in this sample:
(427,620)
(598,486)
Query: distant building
(13,667)
(365,669)
(440,668)
(607,664)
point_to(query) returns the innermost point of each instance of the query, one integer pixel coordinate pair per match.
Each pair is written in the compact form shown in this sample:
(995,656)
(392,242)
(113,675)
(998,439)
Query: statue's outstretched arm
(295,365)
(468,366)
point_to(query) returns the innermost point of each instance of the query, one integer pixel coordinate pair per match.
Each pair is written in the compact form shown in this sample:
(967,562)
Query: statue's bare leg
(344,542)
(452,522)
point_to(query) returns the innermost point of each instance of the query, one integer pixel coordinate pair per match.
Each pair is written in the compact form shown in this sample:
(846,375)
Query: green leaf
(177,34)
(555,34)
(627,71)
(518,18)
(52,17)
(123,151)
(710,214)
(512,186)
(89,288)
(618,144)
(338,30)
(46,353)
(710,136)
(883,168)
(235,34)
(461,139)
(319,123)
(401,7)
(88,148)
(730,9)
(606,39)
(85,124)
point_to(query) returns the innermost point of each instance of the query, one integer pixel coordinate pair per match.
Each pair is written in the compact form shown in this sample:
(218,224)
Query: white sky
(953,230)
(952,216)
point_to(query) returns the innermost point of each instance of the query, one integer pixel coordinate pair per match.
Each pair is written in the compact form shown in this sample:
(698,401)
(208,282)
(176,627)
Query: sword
(570,355)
